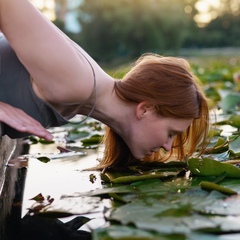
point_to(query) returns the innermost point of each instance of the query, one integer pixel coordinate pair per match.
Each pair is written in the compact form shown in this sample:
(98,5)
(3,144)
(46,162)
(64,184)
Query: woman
(158,103)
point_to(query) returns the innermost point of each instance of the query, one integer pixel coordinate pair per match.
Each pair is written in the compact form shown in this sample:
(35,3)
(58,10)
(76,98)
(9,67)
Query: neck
(111,110)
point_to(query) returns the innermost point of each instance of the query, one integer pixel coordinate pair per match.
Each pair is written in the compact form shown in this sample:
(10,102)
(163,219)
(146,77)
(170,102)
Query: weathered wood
(9,148)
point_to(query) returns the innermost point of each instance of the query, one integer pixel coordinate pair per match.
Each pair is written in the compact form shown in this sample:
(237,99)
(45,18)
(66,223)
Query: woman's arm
(59,72)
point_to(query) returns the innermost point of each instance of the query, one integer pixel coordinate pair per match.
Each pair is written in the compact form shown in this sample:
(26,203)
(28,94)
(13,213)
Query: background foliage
(127,28)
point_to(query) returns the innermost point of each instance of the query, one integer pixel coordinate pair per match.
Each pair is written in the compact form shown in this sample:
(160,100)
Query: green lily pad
(44,159)
(209,186)
(134,178)
(218,204)
(234,121)
(229,100)
(234,145)
(119,232)
(211,167)
(95,139)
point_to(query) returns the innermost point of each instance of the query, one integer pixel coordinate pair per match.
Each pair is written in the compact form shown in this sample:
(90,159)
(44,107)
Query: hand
(19,120)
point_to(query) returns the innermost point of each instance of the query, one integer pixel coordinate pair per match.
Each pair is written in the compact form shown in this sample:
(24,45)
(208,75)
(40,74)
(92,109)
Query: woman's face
(153,132)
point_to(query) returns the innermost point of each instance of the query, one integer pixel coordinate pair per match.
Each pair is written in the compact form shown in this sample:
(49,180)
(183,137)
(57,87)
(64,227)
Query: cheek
(159,136)
(154,138)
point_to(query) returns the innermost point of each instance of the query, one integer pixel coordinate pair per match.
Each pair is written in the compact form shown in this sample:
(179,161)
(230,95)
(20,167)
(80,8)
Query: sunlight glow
(235,6)
(188,9)
(206,11)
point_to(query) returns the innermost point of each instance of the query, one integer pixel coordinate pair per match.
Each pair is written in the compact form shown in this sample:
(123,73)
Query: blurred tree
(191,32)
(223,31)
(228,7)
(113,29)
(131,27)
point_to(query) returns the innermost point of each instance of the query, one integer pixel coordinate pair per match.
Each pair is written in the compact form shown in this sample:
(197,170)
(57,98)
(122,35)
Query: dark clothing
(16,90)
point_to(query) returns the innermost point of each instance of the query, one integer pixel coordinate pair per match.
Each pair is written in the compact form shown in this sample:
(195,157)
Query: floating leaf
(211,167)
(92,178)
(117,197)
(33,139)
(234,145)
(184,210)
(43,141)
(150,217)
(217,203)
(134,178)
(213,132)
(38,198)
(210,186)
(44,159)
(129,232)
(41,203)
(221,145)
(229,100)
(234,121)
(95,139)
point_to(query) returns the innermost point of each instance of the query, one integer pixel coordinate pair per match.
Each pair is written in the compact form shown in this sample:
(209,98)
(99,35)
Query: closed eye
(173,134)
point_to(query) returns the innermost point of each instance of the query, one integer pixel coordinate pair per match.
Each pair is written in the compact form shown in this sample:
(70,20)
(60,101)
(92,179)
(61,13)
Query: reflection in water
(6,199)
(61,176)
(38,228)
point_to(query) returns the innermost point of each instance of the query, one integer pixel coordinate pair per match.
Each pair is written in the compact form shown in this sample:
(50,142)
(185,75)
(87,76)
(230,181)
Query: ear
(143,109)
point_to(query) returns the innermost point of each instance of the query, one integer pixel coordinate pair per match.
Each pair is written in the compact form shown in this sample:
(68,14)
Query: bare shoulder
(61,70)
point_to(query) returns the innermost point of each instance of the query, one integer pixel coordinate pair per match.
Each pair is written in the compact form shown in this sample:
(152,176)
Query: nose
(168,145)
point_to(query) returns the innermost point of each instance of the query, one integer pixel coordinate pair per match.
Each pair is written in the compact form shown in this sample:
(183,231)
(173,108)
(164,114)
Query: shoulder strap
(94,91)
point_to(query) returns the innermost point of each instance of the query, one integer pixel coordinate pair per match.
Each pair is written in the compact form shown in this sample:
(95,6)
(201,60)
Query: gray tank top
(16,90)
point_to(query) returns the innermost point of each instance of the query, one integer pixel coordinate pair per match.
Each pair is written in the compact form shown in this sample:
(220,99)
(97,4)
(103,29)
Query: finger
(22,122)
(26,123)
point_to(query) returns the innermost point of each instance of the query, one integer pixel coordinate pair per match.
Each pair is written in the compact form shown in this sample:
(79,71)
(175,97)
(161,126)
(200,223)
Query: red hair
(168,83)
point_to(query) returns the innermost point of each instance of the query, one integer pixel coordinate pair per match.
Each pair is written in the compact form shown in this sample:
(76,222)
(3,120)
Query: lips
(152,151)
(150,154)
(155,150)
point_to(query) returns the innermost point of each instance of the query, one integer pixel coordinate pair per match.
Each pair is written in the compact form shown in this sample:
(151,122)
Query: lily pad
(234,121)
(229,100)
(211,167)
